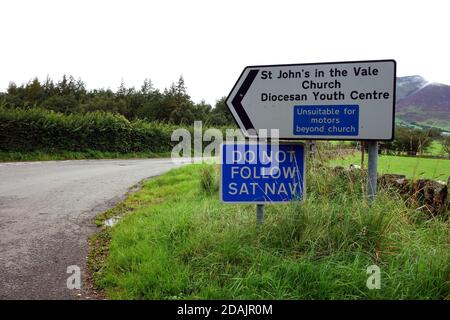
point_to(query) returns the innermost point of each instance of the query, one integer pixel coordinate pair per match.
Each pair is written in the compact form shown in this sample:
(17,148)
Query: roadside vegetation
(414,153)
(70,96)
(42,130)
(39,134)
(411,167)
(7,156)
(176,240)
(60,120)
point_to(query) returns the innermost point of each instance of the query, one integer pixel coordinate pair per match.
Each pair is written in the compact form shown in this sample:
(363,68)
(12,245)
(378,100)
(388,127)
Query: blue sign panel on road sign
(329,120)
(262,172)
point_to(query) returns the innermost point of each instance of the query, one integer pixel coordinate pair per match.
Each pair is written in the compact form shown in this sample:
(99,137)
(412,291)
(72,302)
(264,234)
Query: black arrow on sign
(240,94)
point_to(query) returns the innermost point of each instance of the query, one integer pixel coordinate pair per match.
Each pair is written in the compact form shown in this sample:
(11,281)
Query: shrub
(42,130)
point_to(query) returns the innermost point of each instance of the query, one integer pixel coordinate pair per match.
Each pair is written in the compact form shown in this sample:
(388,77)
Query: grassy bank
(412,167)
(6,156)
(177,241)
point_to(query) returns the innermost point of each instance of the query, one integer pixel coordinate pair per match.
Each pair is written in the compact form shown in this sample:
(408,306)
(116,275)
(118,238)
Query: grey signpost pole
(372,170)
(260,213)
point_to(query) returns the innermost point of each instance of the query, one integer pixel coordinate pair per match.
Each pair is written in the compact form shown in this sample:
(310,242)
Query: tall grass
(209,180)
(181,242)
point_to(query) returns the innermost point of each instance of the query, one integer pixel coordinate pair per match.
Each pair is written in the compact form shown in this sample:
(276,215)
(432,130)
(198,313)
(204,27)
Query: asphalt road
(46,213)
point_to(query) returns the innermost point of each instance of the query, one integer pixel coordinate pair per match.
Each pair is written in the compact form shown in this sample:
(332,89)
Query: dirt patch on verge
(99,242)
(97,253)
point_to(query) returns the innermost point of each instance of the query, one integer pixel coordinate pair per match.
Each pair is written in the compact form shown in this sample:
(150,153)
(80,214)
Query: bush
(209,181)
(42,130)
(411,141)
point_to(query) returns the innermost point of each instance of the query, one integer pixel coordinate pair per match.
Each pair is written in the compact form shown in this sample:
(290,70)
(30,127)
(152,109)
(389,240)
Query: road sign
(334,101)
(262,172)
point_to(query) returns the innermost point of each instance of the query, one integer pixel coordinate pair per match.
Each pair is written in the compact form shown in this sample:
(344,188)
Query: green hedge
(37,129)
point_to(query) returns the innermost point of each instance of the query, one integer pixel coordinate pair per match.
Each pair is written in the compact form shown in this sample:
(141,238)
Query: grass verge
(8,156)
(177,241)
(412,167)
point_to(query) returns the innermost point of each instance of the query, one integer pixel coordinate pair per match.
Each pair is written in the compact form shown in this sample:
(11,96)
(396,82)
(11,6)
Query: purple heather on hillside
(419,101)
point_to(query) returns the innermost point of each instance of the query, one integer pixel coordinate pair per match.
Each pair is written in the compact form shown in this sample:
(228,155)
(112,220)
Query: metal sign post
(372,170)
(260,213)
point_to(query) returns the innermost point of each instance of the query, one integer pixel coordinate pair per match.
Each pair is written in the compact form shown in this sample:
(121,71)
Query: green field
(412,167)
(436,149)
(178,241)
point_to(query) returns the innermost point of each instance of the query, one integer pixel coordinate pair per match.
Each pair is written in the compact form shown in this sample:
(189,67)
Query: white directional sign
(338,101)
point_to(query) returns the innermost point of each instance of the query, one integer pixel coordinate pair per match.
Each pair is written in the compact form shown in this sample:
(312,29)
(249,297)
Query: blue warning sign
(326,120)
(262,172)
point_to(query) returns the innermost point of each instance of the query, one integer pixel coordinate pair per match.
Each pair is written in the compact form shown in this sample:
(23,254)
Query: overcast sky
(210,42)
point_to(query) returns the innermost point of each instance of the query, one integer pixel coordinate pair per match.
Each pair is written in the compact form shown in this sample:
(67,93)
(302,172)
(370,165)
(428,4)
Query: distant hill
(408,85)
(420,103)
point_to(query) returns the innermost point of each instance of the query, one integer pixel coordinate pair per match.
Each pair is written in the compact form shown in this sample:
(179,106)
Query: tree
(12,89)
(176,105)
(220,115)
(446,144)
(122,90)
(201,111)
(69,95)
(182,114)
(147,87)
(181,90)
(434,132)
(49,88)
(34,93)
(411,141)
(61,103)
(151,105)
(103,101)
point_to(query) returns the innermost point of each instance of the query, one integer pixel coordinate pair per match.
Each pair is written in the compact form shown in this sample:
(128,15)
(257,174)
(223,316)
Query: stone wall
(428,195)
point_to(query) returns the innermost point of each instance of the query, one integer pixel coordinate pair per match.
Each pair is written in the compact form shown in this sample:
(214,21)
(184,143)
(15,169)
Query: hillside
(409,85)
(426,106)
